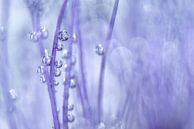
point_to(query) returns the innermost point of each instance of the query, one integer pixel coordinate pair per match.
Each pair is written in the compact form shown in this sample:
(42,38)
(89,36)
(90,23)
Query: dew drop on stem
(44,33)
(42,78)
(40,70)
(13,94)
(70,107)
(34,36)
(99,49)
(65,54)
(46,59)
(73,60)
(70,118)
(59,46)
(56,83)
(72,82)
(63,35)
(58,64)
(57,72)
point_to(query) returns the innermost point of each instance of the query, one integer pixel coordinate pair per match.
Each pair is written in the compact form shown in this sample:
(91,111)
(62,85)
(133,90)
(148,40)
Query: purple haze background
(148,82)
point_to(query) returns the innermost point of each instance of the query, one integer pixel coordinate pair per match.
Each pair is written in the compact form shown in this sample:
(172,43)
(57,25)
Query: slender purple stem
(55,42)
(86,104)
(36,26)
(103,61)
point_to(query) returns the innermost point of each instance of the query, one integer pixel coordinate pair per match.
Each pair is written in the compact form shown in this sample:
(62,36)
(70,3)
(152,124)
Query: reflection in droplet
(70,107)
(42,78)
(46,59)
(40,70)
(65,54)
(34,36)
(44,33)
(57,72)
(63,35)
(99,49)
(58,64)
(70,118)
(72,83)
(59,47)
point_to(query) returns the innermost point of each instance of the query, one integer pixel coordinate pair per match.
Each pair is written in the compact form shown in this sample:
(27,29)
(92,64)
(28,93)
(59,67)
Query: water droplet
(40,70)
(44,33)
(101,126)
(70,107)
(56,83)
(74,37)
(34,36)
(59,47)
(65,54)
(46,59)
(73,60)
(64,67)
(57,72)
(58,64)
(72,83)
(2,33)
(42,78)
(99,49)
(70,118)
(13,94)
(63,35)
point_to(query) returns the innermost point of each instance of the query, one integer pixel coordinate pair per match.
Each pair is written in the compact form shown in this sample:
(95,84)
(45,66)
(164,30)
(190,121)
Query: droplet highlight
(99,49)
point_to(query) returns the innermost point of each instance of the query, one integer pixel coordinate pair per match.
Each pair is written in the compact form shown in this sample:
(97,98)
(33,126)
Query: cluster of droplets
(63,36)
(13,94)
(59,67)
(35,36)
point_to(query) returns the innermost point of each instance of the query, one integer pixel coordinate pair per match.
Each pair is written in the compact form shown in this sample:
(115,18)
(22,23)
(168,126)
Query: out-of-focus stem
(51,91)
(4,63)
(103,61)
(86,105)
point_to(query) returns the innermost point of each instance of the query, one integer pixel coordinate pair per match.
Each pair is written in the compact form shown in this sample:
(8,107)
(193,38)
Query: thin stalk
(68,73)
(51,91)
(4,63)
(103,61)
(55,42)
(86,103)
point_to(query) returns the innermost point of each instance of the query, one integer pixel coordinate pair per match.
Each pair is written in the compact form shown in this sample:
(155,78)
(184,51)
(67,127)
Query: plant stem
(51,91)
(103,61)
(55,42)
(86,104)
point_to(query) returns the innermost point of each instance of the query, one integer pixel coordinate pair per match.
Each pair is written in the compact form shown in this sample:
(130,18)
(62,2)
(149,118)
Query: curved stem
(83,89)
(36,27)
(103,61)
(55,42)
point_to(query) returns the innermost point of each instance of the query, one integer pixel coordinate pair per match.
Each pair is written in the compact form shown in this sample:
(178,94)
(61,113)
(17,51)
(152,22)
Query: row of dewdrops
(46,60)
(59,64)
